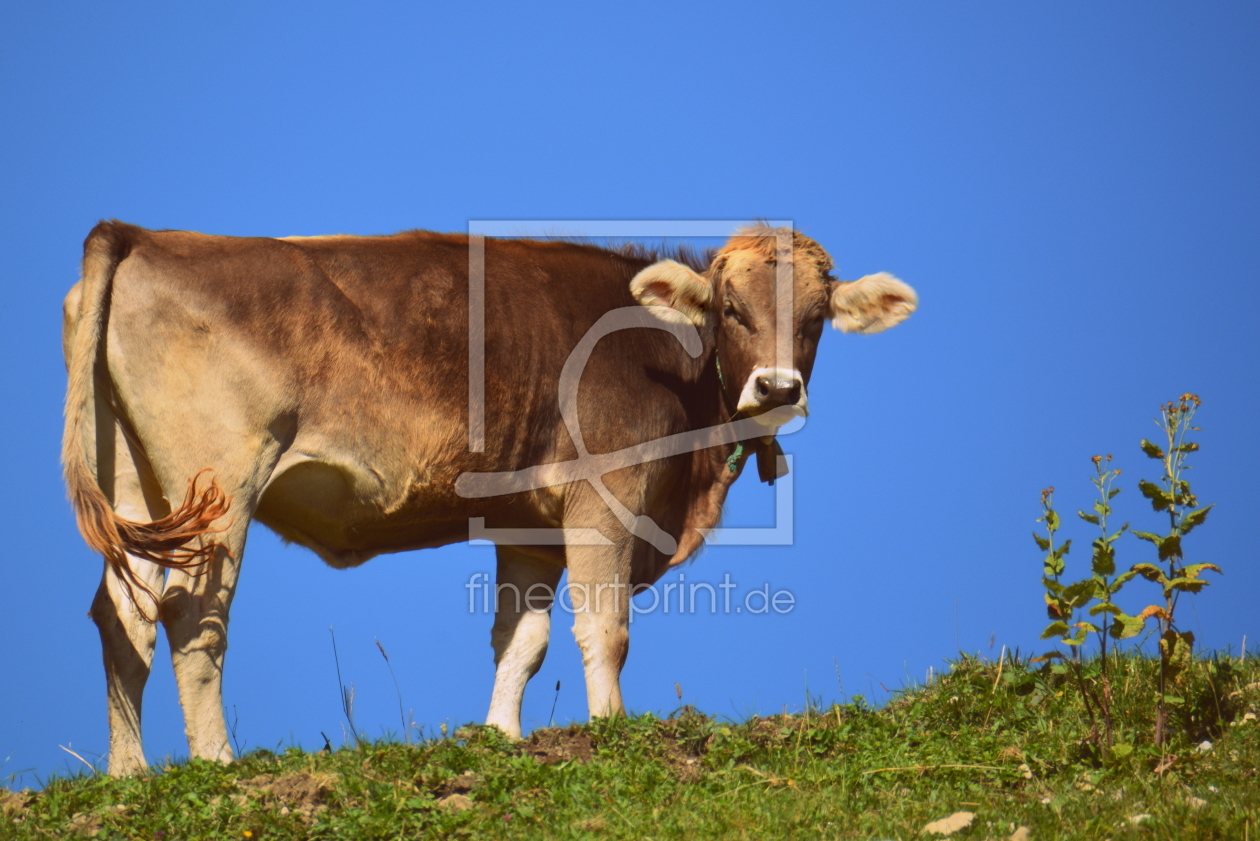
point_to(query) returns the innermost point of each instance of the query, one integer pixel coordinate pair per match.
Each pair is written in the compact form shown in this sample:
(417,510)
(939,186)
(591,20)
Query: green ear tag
(732,463)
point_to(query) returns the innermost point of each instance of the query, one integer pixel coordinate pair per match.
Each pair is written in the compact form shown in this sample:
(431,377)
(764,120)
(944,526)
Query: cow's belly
(342,512)
(347,512)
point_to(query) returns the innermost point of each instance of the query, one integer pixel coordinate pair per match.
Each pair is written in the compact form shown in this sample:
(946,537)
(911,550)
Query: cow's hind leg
(525,588)
(197,600)
(194,612)
(128,635)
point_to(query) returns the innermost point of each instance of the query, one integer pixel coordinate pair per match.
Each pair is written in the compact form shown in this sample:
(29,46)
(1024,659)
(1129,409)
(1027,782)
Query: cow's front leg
(525,588)
(599,588)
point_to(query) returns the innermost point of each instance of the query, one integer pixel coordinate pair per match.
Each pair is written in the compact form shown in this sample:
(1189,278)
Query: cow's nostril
(775,388)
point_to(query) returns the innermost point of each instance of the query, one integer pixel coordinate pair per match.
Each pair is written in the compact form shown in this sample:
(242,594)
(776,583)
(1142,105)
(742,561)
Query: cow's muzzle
(770,388)
(772,391)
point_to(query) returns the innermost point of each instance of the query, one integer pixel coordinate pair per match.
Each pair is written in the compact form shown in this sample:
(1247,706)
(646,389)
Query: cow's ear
(677,293)
(870,304)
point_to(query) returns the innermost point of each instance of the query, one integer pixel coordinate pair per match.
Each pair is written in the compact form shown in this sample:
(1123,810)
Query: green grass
(1008,742)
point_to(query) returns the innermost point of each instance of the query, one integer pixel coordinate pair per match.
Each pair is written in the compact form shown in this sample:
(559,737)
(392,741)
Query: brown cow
(323,387)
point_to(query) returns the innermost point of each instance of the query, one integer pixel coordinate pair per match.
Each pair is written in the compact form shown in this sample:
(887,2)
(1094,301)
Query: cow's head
(767,283)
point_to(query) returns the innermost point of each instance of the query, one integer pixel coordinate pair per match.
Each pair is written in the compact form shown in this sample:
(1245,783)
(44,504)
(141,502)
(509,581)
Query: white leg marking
(522,625)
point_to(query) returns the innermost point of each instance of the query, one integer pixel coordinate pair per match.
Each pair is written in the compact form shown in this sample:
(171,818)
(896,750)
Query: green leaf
(1042,543)
(1121,579)
(1053,564)
(1054,629)
(1116,534)
(1170,547)
(1089,518)
(1173,700)
(1088,626)
(1176,649)
(1052,520)
(1150,572)
(1147,536)
(1151,450)
(1105,607)
(1079,637)
(1127,626)
(1079,594)
(1193,570)
(1052,586)
(1188,447)
(1188,585)
(1160,499)
(1194,518)
(1120,751)
(1104,562)
(1049,655)
(1111,494)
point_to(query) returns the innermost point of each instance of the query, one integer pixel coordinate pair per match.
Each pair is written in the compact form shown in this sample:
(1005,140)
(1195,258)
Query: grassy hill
(1007,745)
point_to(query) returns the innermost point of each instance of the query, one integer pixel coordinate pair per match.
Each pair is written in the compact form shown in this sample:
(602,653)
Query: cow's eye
(730,311)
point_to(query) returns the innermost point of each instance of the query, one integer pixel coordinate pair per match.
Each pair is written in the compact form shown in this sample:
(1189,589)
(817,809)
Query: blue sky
(1074,191)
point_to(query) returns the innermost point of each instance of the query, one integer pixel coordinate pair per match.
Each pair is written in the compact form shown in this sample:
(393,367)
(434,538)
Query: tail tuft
(166,541)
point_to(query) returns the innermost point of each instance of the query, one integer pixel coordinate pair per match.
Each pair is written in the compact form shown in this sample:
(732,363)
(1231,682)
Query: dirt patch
(90,824)
(770,731)
(456,803)
(456,785)
(452,792)
(687,770)
(302,793)
(682,749)
(85,825)
(14,803)
(550,745)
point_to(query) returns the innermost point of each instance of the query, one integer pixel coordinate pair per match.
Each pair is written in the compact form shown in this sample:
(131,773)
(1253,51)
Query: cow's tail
(170,541)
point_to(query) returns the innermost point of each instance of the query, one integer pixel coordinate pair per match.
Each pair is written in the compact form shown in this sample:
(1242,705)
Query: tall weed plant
(1085,608)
